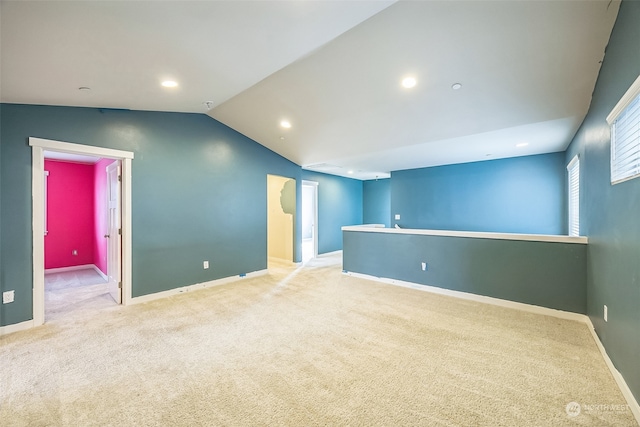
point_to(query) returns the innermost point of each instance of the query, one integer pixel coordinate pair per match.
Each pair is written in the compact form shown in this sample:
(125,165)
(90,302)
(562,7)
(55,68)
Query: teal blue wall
(199,193)
(545,274)
(517,195)
(339,204)
(610,214)
(376,202)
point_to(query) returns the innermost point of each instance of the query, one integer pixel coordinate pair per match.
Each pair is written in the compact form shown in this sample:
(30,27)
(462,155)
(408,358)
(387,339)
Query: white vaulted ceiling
(331,68)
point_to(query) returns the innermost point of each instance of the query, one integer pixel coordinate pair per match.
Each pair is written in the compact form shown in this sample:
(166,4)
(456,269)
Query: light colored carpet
(305,347)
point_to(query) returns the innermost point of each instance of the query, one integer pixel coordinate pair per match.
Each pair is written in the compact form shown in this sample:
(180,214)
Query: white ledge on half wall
(379,228)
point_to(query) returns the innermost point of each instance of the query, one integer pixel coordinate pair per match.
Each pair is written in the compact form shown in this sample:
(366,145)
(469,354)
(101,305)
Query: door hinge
(119,178)
(120,231)
(119,285)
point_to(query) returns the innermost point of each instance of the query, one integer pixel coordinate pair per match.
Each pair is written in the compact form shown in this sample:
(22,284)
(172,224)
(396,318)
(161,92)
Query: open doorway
(76,245)
(119,248)
(309,220)
(281,212)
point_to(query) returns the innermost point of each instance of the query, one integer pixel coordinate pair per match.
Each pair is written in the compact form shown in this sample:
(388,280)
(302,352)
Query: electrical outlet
(606,314)
(397,217)
(205,264)
(425,266)
(8,296)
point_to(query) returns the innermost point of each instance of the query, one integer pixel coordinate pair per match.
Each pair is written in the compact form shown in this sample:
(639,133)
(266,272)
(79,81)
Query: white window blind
(625,136)
(574,196)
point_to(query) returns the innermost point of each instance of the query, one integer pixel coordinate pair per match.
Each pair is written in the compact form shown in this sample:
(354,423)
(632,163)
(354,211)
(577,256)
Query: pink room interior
(76,220)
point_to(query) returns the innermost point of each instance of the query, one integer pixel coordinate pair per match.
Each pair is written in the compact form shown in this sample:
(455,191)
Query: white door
(309,220)
(114,245)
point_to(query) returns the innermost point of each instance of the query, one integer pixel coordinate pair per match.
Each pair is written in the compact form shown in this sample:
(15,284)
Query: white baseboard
(9,329)
(75,268)
(16,327)
(330,253)
(280,260)
(622,384)
(72,268)
(567,315)
(474,297)
(104,276)
(194,287)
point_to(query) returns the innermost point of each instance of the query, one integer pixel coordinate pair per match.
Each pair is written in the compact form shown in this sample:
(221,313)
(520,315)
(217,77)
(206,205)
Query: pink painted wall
(101,224)
(70,214)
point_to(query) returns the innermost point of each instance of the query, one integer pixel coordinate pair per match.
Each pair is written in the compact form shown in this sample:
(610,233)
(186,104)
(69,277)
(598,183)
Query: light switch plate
(397,216)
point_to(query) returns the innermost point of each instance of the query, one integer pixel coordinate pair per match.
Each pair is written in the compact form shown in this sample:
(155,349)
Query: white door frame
(39,146)
(114,242)
(314,184)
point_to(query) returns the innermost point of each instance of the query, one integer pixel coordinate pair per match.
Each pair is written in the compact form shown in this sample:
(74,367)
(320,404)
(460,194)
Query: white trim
(314,184)
(38,146)
(104,276)
(277,260)
(472,234)
(29,324)
(620,181)
(573,197)
(37,196)
(474,297)
(327,254)
(573,161)
(617,376)
(67,147)
(627,156)
(126,206)
(560,314)
(16,327)
(624,102)
(70,268)
(195,287)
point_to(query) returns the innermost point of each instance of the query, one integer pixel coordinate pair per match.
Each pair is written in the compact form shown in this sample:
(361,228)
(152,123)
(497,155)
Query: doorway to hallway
(281,219)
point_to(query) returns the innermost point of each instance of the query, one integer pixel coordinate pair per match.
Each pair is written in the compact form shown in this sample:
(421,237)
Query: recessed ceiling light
(350,172)
(285,124)
(409,82)
(456,86)
(522,144)
(169,83)
(282,138)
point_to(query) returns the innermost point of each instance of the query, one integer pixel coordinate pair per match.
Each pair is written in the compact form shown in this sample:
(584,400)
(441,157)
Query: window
(625,136)
(574,196)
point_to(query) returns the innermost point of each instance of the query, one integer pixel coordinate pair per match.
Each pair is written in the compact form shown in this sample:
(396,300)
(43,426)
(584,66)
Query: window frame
(630,96)
(573,196)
